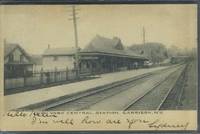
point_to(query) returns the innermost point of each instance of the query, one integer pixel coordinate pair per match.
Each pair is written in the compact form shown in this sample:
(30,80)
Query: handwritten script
(90,120)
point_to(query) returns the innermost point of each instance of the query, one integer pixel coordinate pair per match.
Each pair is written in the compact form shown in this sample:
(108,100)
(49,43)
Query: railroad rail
(79,101)
(157,96)
(91,99)
(173,98)
(67,99)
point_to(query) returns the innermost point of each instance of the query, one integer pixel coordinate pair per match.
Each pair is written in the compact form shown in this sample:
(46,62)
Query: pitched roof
(98,44)
(106,45)
(10,47)
(102,44)
(59,51)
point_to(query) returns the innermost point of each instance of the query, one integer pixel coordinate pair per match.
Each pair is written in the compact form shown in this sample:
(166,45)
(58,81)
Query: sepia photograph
(99,67)
(100,57)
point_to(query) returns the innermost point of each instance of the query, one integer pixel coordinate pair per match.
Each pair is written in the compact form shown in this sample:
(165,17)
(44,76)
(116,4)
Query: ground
(188,97)
(17,100)
(190,94)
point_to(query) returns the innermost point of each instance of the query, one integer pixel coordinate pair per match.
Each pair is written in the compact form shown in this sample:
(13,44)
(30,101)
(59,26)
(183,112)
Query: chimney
(48,46)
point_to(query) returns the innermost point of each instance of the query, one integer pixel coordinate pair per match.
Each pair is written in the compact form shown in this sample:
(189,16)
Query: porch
(108,63)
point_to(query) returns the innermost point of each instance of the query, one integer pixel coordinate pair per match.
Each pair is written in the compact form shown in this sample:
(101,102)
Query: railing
(49,77)
(42,78)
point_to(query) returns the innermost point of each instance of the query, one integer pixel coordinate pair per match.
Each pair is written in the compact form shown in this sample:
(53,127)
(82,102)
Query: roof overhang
(45,55)
(112,54)
(95,53)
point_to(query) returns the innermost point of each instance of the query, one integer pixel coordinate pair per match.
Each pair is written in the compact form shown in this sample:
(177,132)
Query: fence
(45,78)
(42,78)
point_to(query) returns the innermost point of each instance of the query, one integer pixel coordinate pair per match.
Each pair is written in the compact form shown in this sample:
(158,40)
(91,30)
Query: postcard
(99,67)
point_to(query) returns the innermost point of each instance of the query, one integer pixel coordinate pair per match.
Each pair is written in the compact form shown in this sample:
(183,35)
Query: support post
(55,74)
(24,78)
(66,73)
(41,76)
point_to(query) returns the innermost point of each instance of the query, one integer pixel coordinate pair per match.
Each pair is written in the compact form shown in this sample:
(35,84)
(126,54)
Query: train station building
(101,55)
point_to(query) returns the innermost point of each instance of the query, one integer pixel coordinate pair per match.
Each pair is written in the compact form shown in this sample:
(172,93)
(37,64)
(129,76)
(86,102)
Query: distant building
(100,55)
(17,62)
(58,58)
(111,55)
(154,51)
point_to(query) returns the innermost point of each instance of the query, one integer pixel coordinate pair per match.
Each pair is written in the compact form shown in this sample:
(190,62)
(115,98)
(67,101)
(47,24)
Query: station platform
(23,99)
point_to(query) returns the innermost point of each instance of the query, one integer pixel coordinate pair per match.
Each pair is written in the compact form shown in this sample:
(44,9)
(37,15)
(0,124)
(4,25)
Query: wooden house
(17,62)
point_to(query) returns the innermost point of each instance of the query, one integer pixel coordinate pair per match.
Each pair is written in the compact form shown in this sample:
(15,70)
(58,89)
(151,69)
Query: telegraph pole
(74,19)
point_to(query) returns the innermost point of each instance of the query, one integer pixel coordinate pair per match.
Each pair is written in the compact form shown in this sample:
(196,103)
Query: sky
(36,26)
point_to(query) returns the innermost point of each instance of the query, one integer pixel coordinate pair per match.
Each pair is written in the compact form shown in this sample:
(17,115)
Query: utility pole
(144,41)
(74,19)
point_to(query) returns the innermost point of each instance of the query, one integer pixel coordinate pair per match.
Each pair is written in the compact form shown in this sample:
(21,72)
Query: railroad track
(48,105)
(83,100)
(154,98)
(173,98)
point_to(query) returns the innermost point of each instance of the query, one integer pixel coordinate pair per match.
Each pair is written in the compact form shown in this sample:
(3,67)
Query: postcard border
(47,2)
